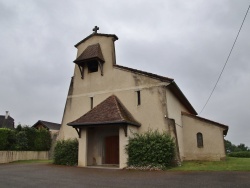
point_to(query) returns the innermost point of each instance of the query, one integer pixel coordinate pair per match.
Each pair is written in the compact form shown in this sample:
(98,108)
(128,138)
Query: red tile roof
(91,52)
(110,111)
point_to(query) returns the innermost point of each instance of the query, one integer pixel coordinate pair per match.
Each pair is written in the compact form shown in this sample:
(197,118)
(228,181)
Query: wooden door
(112,150)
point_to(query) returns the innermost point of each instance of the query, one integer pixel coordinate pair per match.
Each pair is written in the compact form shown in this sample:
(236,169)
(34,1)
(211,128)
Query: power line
(225,62)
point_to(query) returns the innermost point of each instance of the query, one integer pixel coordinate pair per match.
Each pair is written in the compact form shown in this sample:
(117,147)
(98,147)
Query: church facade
(107,103)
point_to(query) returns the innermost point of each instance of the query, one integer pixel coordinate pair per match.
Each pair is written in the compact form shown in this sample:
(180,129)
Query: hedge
(7,139)
(25,139)
(151,149)
(240,154)
(66,152)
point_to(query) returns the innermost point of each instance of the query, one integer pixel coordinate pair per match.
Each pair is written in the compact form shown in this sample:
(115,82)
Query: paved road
(48,175)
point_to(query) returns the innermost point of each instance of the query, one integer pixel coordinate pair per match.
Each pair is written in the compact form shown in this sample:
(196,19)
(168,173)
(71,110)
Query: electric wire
(225,62)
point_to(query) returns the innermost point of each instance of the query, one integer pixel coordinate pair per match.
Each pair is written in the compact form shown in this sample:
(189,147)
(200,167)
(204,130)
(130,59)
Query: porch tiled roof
(110,111)
(91,52)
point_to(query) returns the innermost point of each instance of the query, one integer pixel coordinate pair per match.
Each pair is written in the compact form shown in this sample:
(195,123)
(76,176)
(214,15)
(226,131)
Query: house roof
(172,86)
(6,123)
(49,125)
(110,111)
(97,34)
(225,127)
(148,74)
(178,93)
(91,52)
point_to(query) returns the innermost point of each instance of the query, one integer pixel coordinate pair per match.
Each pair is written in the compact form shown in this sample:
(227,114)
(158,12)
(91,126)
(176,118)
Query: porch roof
(91,52)
(110,111)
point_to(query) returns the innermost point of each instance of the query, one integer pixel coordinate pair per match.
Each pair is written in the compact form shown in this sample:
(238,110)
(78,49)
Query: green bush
(25,139)
(31,134)
(21,141)
(240,154)
(66,152)
(150,149)
(7,139)
(43,140)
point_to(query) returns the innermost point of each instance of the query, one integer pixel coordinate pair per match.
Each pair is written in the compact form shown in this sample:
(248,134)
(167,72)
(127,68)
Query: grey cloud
(187,41)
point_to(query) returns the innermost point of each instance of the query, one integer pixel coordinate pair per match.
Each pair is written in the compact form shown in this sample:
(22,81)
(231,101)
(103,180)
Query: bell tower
(94,51)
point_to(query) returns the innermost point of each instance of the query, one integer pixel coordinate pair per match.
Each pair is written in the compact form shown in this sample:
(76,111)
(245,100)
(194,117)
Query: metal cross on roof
(95,29)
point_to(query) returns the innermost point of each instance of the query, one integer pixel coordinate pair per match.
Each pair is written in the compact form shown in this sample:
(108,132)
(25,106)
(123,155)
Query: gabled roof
(97,34)
(91,52)
(48,125)
(178,93)
(148,74)
(6,123)
(110,111)
(225,127)
(172,86)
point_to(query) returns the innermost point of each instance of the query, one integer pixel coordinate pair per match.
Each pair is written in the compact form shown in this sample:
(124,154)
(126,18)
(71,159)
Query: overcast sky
(185,40)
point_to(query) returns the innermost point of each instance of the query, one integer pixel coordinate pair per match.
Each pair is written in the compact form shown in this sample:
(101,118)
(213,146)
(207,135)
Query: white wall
(10,156)
(213,140)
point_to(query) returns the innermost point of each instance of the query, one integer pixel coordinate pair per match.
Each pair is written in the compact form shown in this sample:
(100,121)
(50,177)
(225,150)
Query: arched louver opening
(199,137)
(90,58)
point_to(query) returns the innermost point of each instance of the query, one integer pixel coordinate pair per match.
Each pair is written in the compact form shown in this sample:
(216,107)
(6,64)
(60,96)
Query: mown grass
(230,164)
(33,161)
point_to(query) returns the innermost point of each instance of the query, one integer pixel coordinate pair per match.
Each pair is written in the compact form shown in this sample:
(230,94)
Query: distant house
(52,127)
(6,121)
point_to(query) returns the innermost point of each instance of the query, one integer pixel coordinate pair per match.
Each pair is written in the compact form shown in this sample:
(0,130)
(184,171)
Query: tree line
(235,148)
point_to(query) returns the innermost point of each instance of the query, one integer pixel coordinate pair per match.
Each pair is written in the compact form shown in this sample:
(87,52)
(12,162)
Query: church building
(107,103)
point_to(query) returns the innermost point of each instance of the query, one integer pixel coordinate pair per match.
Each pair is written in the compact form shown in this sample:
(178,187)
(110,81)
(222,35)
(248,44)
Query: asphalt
(48,175)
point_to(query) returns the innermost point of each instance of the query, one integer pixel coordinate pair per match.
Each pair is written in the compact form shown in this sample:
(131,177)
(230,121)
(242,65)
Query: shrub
(240,154)
(25,139)
(7,139)
(21,141)
(42,140)
(66,152)
(31,134)
(152,149)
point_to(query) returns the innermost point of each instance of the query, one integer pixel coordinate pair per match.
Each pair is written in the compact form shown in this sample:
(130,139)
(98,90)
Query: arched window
(199,140)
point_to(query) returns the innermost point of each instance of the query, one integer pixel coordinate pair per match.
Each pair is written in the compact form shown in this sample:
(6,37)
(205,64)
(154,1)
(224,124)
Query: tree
(233,148)
(242,147)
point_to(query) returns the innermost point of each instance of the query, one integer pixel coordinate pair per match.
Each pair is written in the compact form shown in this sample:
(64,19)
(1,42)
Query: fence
(9,156)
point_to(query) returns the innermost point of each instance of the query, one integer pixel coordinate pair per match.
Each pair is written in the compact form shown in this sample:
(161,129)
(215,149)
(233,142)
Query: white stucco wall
(174,109)
(213,140)
(158,104)
(10,156)
(82,151)
(117,82)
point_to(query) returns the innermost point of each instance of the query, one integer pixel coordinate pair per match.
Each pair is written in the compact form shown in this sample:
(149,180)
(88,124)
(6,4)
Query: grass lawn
(230,164)
(33,161)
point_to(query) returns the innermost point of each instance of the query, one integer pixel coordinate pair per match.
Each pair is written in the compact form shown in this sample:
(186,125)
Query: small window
(92,66)
(91,102)
(199,140)
(138,97)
